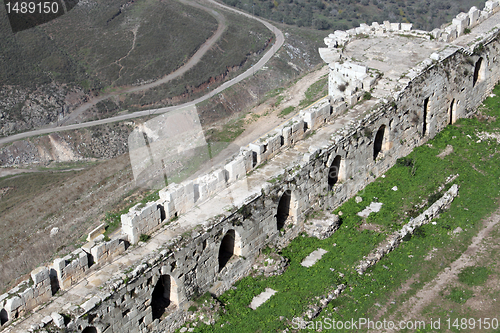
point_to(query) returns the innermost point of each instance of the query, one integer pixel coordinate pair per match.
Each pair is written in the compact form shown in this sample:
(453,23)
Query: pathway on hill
(205,47)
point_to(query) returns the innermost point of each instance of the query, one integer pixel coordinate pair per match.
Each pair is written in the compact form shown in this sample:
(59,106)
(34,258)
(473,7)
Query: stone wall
(192,262)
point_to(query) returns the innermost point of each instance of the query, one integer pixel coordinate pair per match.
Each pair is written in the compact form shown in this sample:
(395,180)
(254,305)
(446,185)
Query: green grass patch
(286,111)
(474,276)
(459,295)
(228,133)
(317,90)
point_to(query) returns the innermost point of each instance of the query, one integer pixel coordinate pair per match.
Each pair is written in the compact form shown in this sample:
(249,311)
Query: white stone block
(329,55)
(40,274)
(435,56)
(58,319)
(165,194)
(90,304)
(473,16)
(236,169)
(406,26)
(395,26)
(96,232)
(13,303)
(46,320)
(490,6)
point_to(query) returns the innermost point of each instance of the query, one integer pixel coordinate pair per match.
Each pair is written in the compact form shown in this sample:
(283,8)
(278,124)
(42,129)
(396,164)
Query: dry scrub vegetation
(71,200)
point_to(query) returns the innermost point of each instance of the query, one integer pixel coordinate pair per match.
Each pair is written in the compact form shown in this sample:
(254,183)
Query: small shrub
(267,250)
(193,308)
(433,198)
(144,238)
(367,96)
(466,31)
(405,161)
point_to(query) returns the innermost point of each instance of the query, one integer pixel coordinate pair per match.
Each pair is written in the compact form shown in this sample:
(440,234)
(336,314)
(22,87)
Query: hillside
(346,14)
(47,71)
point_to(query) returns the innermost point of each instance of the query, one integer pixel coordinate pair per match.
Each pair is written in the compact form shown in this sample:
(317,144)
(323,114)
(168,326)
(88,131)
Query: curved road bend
(267,56)
(207,45)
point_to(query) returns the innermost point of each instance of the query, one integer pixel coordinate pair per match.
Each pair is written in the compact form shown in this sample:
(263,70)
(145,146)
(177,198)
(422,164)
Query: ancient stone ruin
(391,89)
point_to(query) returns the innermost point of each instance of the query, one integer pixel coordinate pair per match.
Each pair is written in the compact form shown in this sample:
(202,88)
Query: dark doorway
(283,209)
(90,329)
(226,249)
(3,317)
(379,140)
(477,71)
(333,173)
(452,112)
(161,296)
(424,120)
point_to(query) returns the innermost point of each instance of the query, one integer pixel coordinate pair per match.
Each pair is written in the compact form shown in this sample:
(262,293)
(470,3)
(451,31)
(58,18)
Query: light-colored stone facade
(207,232)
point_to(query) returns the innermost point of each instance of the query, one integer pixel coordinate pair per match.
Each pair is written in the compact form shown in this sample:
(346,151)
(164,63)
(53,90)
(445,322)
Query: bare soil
(73,201)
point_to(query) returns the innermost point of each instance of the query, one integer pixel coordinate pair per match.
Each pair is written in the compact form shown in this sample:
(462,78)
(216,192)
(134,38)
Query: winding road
(193,60)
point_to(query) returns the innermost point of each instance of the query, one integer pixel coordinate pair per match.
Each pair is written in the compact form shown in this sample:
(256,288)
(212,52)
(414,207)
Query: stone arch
(229,246)
(479,71)
(452,113)
(4,317)
(334,172)
(164,295)
(286,209)
(379,142)
(90,329)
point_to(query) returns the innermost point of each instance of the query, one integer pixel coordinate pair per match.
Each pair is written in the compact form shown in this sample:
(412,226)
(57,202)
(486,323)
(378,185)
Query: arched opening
(254,159)
(424,120)
(478,71)
(90,329)
(164,295)
(452,113)
(4,317)
(379,139)
(333,173)
(284,209)
(230,245)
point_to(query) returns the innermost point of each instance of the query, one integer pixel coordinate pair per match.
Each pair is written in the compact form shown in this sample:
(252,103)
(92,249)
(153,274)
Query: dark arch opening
(379,139)
(283,209)
(90,329)
(227,247)
(4,317)
(477,71)
(424,120)
(160,299)
(452,112)
(333,173)
(254,159)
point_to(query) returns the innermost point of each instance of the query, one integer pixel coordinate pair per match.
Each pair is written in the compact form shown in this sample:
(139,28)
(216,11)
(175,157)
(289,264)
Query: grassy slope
(297,287)
(88,39)
(242,38)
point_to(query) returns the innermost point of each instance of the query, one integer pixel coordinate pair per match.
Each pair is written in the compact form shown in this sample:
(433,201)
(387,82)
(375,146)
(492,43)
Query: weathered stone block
(40,274)
(57,319)
(13,304)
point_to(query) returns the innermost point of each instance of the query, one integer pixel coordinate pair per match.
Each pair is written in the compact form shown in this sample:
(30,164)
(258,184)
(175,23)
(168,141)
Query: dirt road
(267,56)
